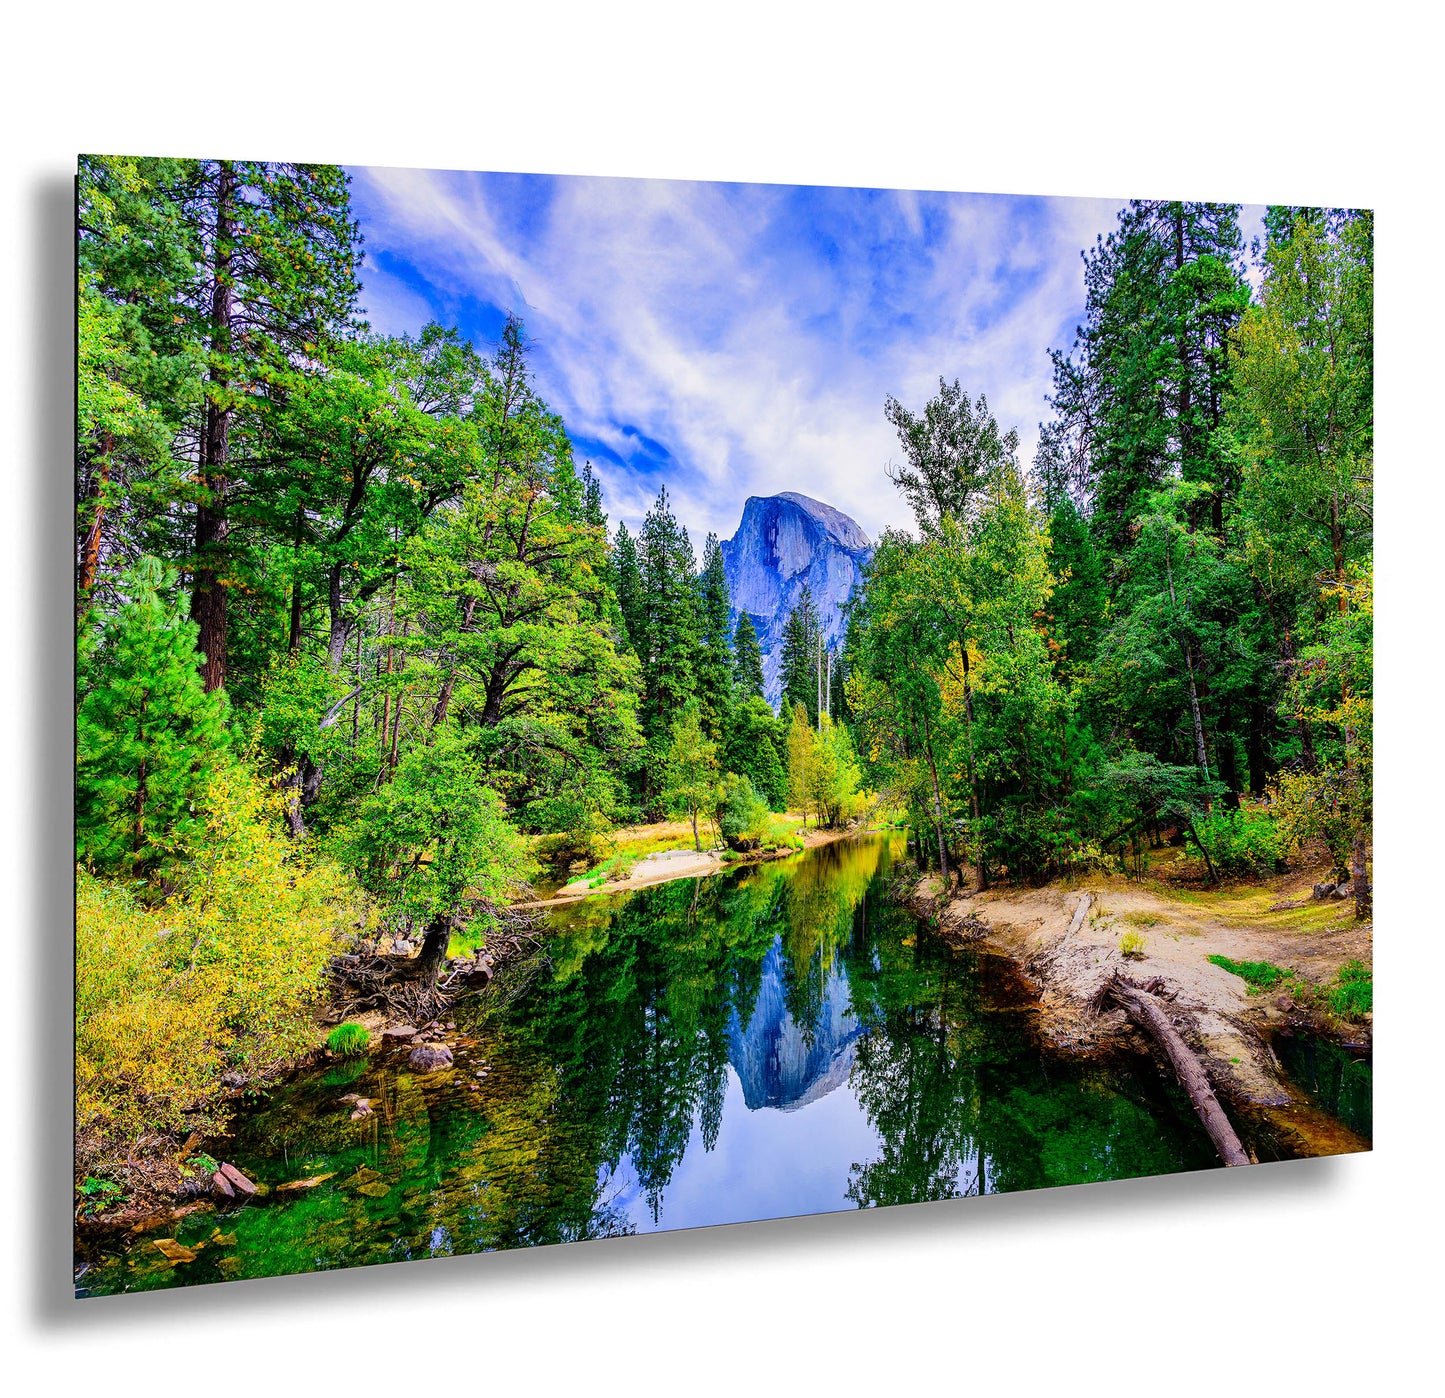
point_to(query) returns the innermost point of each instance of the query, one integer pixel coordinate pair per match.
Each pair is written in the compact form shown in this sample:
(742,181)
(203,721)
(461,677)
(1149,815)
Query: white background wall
(1320,1276)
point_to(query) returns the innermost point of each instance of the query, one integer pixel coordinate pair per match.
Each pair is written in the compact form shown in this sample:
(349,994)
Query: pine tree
(670,628)
(747,660)
(627,580)
(1142,397)
(714,659)
(148,736)
(592,512)
(757,749)
(799,669)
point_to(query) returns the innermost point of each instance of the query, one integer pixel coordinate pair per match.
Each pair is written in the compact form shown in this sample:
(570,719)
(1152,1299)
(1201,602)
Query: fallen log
(1145,1011)
(1077,920)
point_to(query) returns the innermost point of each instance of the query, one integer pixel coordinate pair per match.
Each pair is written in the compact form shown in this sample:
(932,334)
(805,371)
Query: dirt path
(1228,1027)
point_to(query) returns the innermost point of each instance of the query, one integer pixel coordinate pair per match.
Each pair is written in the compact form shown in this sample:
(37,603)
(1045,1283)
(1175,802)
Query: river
(776,1040)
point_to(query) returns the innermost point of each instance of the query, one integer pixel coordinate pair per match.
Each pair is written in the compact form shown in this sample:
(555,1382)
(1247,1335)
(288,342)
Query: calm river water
(777,1040)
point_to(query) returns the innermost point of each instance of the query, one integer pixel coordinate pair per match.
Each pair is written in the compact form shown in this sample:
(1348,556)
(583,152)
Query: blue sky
(733,339)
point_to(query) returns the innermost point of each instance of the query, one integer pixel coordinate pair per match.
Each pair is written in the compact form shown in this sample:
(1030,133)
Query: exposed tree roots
(400,987)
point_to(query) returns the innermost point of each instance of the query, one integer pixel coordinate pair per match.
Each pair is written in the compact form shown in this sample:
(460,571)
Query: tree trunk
(339,632)
(696,839)
(1208,862)
(1145,1011)
(1360,877)
(434,949)
(1258,767)
(213,525)
(975,828)
(444,698)
(937,805)
(90,545)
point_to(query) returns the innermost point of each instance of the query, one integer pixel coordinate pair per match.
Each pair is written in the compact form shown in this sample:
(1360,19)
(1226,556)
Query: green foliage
(1131,944)
(1241,842)
(99,1195)
(434,843)
(670,624)
(348,1040)
(747,661)
(148,736)
(222,974)
(1351,994)
(950,451)
(1258,975)
(757,748)
(742,814)
(690,771)
(714,658)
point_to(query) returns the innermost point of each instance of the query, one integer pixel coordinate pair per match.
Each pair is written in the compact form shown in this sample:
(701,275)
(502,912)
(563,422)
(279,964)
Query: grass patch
(349,1040)
(1132,944)
(1350,995)
(1258,975)
(1352,992)
(1137,917)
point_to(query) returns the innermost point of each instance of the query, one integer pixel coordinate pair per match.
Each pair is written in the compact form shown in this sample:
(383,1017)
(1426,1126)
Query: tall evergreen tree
(1142,396)
(148,734)
(747,660)
(277,280)
(627,579)
(800,657)
(714,657)
(138,365)
(671,626)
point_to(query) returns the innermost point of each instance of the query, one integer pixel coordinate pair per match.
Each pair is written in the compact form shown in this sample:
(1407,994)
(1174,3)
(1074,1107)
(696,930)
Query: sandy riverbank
(1231,1029)
(667,865)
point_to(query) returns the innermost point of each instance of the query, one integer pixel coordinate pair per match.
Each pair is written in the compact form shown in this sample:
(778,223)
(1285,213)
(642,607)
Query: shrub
(99,1195)
(1132,944)
(222,974)
(742,814)
(615,869)
(1242,842)
(348,1040)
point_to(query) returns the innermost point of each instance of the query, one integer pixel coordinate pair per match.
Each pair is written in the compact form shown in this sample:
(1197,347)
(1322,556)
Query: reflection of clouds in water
(757,1170)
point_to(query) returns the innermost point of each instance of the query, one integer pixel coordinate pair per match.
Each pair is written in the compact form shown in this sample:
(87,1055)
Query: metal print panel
(607,705)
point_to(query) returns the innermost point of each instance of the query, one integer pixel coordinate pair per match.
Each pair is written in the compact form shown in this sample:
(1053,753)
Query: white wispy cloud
(717,321)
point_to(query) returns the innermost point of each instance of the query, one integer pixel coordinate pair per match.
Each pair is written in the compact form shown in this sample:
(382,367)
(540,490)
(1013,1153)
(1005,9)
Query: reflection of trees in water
(623,1050)
(962,1098)
(636,1025)
(919,1075)
(821,899)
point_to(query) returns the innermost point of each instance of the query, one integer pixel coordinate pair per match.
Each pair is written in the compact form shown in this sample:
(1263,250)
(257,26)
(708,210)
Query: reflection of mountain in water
(778,1064)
